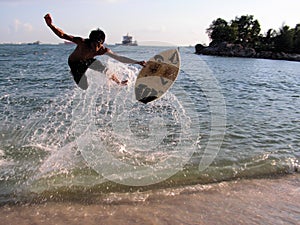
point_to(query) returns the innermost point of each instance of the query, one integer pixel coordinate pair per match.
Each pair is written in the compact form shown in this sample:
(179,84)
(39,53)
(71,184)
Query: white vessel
(127,40)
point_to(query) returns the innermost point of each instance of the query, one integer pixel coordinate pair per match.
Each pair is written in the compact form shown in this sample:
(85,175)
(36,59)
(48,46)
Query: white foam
(4,162)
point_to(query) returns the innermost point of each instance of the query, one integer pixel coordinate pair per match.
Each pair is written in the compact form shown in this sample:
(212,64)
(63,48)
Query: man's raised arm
(56,30)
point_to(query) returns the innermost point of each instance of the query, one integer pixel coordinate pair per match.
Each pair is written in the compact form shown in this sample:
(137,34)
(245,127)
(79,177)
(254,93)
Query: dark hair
(97,35)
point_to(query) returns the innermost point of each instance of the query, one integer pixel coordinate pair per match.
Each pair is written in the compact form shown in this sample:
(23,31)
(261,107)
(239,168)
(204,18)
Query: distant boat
(34,43)
(127,41)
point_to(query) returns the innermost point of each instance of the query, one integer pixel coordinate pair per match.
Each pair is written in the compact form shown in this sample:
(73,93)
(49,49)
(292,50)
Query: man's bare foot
(116,79)
(124,82)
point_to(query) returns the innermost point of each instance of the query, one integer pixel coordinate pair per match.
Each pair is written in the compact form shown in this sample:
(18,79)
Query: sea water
(223,119)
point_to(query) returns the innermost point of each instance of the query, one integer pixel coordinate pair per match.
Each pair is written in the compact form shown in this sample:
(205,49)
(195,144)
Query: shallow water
(224,118)
(252,201)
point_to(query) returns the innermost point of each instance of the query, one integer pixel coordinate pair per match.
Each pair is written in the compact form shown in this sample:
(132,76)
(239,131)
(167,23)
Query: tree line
(245,30)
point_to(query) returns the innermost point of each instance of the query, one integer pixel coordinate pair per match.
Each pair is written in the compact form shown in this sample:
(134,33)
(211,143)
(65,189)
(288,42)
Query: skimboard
(158,76)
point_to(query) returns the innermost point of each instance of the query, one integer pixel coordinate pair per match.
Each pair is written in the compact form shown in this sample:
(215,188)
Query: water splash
(105,118)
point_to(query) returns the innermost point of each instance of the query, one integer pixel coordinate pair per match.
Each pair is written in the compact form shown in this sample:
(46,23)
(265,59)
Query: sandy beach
(257,201)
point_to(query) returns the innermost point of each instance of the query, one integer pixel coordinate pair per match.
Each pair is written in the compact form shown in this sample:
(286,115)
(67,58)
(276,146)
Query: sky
(178,22)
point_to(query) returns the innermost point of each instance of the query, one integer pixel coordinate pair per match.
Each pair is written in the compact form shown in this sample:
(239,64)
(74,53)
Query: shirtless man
(82,57)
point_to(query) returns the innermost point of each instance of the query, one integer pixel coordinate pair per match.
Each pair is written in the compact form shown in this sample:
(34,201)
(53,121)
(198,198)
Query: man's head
(97,35)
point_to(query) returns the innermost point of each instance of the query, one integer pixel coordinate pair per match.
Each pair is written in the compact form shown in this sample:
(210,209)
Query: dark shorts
(78,69)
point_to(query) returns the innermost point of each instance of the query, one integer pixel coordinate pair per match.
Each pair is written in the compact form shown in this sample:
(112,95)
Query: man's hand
(48,19)
(142,63)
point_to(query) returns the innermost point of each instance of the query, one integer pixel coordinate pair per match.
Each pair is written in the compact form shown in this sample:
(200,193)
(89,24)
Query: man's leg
(78,73)
(98,66)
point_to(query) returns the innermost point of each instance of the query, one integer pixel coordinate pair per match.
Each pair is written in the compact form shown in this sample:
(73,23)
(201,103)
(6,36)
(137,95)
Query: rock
(237,50)
(264,54)
(227,49)
(199,48)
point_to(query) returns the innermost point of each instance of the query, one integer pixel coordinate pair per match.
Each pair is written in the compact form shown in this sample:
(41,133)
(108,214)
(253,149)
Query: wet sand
(256,201)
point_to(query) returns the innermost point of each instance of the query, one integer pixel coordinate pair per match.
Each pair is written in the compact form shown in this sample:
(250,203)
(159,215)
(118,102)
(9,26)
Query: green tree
(245,30)
(248,30)
(297,39)
(220,31)
(284,41)
(266,43)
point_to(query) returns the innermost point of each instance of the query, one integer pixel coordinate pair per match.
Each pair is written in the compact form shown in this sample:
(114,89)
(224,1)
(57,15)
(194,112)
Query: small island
(241,38)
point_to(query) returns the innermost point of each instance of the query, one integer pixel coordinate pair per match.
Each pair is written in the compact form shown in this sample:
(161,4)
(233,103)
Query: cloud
(155,29)
(17,2)
(112,1)
(19,27)
(27,27)
(13,2)
(101,1)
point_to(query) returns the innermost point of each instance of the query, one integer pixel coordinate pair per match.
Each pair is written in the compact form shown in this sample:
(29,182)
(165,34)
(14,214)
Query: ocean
(224,122)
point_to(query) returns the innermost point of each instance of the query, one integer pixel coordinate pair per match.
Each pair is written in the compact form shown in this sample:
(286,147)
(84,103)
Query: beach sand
(254,201)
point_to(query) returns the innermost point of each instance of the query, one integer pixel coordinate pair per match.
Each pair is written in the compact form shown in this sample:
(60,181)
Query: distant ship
(34,43)
(127,40)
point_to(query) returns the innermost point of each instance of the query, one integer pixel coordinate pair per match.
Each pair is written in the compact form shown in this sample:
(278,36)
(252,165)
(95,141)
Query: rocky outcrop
(278,55)
(226,49)
(237,50)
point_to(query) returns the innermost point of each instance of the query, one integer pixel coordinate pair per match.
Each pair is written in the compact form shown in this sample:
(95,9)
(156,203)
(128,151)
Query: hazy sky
(180,22)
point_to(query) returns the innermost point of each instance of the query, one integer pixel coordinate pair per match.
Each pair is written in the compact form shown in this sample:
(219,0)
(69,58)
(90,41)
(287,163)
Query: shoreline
(253,201)
(237,50)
